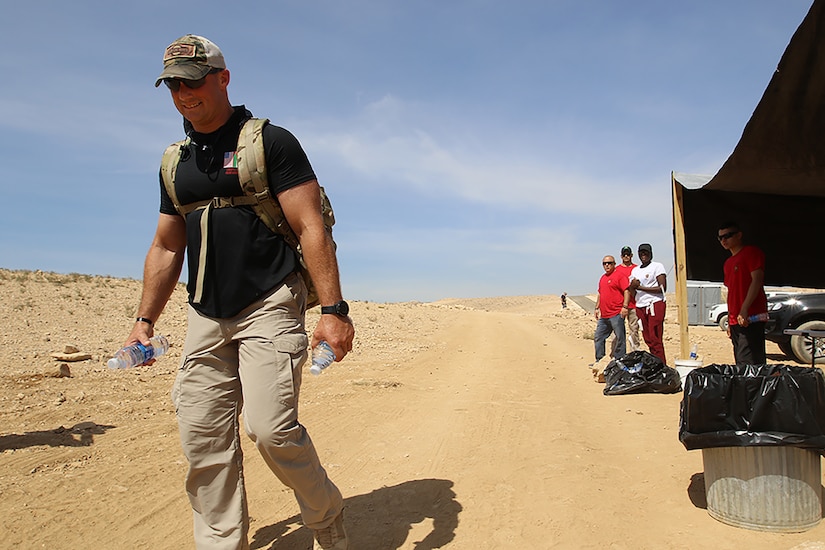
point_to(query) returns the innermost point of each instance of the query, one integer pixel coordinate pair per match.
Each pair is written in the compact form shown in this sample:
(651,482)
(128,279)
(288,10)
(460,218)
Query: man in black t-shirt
(246,341)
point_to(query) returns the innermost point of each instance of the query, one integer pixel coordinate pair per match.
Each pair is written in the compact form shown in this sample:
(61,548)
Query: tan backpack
(254,183)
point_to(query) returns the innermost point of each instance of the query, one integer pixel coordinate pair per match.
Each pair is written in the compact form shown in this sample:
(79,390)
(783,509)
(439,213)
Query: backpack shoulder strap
(168,167)
(254,181)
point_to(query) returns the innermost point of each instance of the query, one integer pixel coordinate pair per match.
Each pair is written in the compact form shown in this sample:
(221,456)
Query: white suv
(719,314)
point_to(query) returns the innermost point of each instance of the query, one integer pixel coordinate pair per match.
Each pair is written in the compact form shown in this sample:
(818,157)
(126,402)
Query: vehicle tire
(723,322)
(802,346)
(785,347)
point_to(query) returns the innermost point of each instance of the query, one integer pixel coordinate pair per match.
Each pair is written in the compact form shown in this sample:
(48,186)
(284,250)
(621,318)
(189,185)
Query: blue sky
(470,148)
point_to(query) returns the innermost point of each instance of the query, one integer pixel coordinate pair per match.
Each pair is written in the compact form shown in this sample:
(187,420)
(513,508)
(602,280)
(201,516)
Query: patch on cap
(178,51)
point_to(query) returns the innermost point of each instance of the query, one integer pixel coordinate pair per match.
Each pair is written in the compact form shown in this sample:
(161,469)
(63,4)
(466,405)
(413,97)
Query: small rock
(59,371)
(71,357)
(70,349)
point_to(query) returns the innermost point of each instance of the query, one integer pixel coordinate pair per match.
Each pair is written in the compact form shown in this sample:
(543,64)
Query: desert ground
(469,424)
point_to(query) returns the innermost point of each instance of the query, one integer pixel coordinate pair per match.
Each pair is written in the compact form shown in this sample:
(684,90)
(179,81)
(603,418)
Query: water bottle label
(148,353)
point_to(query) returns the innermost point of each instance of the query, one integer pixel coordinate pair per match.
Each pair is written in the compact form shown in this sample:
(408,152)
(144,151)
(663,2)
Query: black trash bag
(753,405)
(640,372)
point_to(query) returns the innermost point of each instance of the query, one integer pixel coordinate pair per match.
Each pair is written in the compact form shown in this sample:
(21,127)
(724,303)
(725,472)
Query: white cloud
(394,143)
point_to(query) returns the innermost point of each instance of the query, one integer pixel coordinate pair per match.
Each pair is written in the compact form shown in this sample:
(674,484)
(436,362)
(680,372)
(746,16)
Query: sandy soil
(465,424)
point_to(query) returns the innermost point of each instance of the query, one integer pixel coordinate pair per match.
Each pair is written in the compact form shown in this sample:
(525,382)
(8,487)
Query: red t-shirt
(611,293)
(626,270)
(738,269)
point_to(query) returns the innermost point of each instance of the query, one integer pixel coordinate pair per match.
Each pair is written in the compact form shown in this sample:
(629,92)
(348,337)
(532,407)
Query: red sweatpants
(653,328)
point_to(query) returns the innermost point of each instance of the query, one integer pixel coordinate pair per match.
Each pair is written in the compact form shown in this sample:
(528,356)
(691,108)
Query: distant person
(246,340)
(744,277)
(626,267)
(649,282)
(611,309)
(564,300)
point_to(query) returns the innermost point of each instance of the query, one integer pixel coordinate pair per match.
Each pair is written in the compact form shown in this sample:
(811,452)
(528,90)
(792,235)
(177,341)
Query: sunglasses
(727,235)
(608,263)
(174,83)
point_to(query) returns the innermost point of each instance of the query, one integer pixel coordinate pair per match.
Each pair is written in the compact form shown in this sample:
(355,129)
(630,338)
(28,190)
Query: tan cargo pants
(250,364)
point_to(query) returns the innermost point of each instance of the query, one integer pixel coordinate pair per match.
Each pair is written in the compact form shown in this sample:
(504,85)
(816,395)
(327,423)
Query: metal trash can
(761,429)
(764,488)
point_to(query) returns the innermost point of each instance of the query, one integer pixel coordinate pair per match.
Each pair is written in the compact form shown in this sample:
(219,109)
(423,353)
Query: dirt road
(463,424)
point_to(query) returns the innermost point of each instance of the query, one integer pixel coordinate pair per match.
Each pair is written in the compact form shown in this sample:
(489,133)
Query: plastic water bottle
(633,369)
(694,351)
(322,357)
(758,318)
(137,354)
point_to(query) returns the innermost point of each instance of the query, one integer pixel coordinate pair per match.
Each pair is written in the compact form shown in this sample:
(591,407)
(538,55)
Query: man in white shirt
(649,281)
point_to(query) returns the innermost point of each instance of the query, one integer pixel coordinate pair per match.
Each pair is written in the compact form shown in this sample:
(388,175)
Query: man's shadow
(79,435)
(380,520)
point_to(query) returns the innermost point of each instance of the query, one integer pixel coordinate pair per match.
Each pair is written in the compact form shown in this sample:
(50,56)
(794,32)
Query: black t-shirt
(245,260)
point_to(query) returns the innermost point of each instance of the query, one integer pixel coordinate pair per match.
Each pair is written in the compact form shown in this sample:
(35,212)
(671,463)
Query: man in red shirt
(744,276)
(626,268)
(611,309)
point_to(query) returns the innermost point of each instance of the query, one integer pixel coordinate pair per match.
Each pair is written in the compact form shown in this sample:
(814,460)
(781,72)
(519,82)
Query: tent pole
(681,271)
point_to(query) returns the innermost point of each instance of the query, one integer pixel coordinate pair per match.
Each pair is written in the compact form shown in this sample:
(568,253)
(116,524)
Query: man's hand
(141,332)
(337,331)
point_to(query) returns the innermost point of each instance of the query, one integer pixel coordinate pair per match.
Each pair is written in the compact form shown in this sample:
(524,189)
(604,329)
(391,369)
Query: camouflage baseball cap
(190,57)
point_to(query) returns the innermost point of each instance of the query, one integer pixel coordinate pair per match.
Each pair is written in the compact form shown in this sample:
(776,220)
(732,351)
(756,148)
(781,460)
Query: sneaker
(333,537)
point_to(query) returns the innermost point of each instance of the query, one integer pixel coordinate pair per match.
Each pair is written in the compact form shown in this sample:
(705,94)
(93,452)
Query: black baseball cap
(627,250)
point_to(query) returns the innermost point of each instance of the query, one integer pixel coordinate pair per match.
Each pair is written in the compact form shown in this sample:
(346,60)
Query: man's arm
(662,280)
(302,207)
(161,272)
(660,288)
(757,279)
(625,301)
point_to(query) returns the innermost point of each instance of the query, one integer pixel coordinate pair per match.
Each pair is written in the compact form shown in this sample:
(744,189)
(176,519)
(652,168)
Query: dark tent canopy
(773,183)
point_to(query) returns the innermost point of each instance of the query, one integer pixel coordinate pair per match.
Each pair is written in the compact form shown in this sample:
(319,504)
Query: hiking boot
(333,537)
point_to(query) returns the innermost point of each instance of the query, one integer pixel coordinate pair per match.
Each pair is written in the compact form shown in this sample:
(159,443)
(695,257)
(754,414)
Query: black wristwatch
(338,308)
